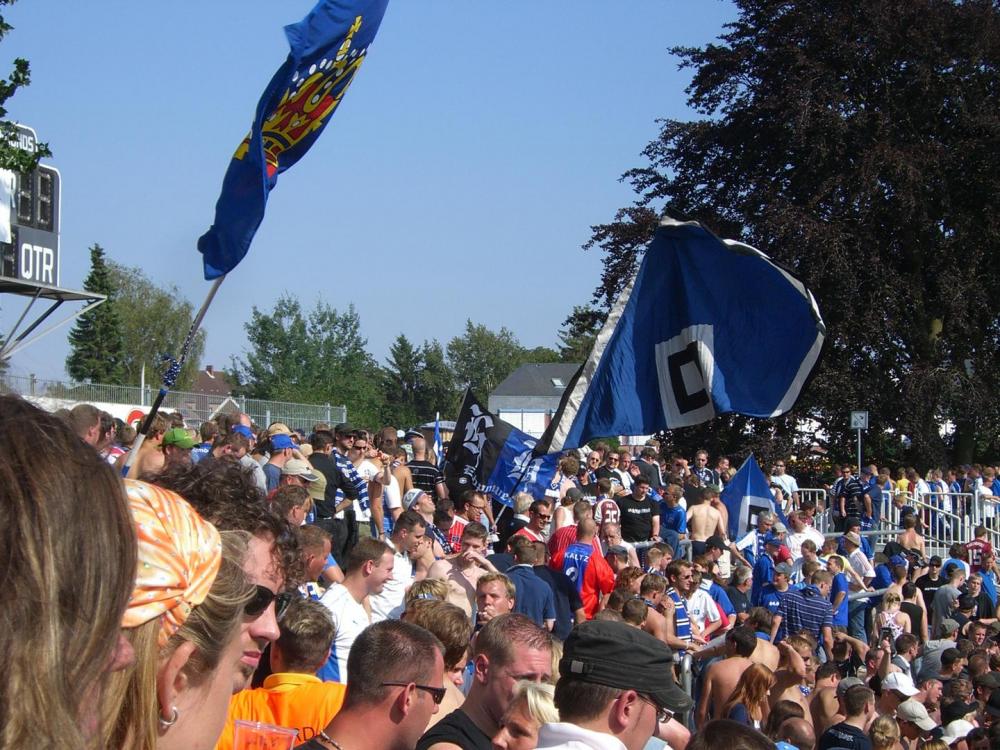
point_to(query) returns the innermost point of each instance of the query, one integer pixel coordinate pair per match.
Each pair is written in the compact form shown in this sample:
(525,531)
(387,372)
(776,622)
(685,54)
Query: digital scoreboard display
(29,220)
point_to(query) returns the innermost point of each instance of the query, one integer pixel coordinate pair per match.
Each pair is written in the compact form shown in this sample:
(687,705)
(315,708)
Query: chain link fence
(195,407)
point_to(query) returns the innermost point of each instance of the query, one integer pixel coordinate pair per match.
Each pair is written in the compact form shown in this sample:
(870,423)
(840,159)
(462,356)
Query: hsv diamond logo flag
(747,495)
(705,326)
(326,49)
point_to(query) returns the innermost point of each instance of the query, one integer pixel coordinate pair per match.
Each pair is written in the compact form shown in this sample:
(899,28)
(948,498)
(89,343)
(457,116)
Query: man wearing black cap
(615,689)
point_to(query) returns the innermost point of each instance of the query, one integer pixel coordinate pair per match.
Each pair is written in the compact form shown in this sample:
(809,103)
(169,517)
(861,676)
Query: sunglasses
(437,693)
(662,714)
(262,598)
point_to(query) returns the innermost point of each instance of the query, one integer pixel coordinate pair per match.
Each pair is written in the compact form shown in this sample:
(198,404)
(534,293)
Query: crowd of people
(332,583)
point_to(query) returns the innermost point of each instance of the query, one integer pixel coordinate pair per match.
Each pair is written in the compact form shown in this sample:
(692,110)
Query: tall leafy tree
(578,332)
(437,392)
(402,382)
(97,345)
(858,143)
(314,357)
(154,322)
(482,358)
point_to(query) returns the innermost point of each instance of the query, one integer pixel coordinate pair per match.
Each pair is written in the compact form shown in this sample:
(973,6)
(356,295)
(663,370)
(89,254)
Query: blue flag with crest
(704,327)
(326,49)
(492,456)
(747,494)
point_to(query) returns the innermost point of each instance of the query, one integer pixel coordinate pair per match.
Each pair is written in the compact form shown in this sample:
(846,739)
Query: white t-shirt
(786,482)
(367,471)
(862,566)
(571,737)
(701,608)
(795,541)
(389,604)
(349,619)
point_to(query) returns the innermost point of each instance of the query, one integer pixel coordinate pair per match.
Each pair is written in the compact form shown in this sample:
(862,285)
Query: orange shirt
(287,699)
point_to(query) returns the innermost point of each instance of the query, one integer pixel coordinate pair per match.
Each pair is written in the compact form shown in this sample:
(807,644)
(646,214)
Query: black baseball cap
(621,656)
(956,710)
(716,542)
(344,428)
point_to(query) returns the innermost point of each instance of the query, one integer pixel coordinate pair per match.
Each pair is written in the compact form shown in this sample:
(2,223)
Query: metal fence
(946,517)
(196,407)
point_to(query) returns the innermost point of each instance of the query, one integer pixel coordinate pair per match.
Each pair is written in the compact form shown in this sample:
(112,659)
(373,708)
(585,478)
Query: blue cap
(280,442)
(770,538)
(896,560)
(243,430)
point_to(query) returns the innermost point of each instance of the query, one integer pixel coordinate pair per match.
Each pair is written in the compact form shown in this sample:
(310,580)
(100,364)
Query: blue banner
(518,470)
(326,49)
(747,494)
(704,327)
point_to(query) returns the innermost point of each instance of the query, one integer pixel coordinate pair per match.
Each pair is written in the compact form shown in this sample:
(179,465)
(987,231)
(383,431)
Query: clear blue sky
(459,179)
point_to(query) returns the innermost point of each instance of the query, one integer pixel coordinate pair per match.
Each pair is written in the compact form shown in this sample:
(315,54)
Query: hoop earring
(165,723)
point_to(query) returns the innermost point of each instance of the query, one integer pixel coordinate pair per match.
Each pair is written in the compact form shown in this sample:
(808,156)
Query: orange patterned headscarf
(179,557)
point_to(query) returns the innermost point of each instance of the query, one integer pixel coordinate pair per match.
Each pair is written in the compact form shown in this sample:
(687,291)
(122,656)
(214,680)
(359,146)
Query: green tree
(437,392)
(857,143)
(97,346)
(11,156)
(317,357)
(579,330)
(154,322)
(482,358)
(402,382)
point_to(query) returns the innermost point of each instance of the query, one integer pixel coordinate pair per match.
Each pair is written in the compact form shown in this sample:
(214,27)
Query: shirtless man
(463,571)
(721,676)
(711,495)
(401,472)
(794,676)
(660,615)
(766,653)
(150,459)
(823,705)
(704,520)
(908,538)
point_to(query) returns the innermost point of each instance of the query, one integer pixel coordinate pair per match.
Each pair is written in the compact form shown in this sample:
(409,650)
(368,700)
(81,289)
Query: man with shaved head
(586,567)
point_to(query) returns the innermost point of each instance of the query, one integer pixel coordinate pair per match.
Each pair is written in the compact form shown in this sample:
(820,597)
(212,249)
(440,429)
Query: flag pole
(170,376)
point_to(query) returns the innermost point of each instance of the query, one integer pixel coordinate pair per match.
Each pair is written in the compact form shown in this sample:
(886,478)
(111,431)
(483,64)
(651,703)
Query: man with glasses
(394,675)
(539,518)
(509,648)
(615,689)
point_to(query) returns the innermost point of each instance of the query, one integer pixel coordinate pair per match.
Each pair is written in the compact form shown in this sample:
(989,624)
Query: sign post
(859,422)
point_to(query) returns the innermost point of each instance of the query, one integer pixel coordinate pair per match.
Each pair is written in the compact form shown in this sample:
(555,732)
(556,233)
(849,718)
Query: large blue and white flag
(748,494)
(705,326)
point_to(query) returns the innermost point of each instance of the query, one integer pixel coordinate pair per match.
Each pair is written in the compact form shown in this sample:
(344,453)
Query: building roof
(546,380)
(212,382)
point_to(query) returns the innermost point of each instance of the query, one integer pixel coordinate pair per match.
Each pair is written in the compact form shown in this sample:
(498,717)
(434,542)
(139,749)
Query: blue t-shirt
(576,558)
(273,475)
(763,572)
(720,597)
(840,614)
(533,597)
(989,586)
(674,519)
(770,598)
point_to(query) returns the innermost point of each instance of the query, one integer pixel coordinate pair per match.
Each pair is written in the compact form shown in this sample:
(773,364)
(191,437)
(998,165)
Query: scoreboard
(29,220)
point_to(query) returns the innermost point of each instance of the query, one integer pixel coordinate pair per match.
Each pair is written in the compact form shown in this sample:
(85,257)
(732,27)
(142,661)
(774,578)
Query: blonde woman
(890,618)
(183,620)
(532,706)
(884,734)
(68,567)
